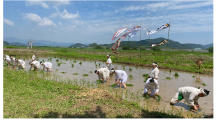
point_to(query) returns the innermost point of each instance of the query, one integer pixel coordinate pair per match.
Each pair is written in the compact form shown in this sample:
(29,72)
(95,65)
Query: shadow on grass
(185,106)
(98,113)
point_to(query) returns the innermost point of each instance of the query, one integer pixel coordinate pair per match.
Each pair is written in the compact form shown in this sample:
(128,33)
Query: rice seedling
(90,72)
(129,85)
(61,58)
(43,60)
(176,74)
(72,65)
(113,85)
(204,84)
(145,79)
(74,61)
(59,64)
(80,62)
(75,74)
(145,75)
(63,72)
(85,75)
(57,60)
(99,81)
(99,64)
(168,78)
(130,69)
(193,76)
(158,98)
(57,69)
(66,58)
(130,76)
(123,67)
(170,71)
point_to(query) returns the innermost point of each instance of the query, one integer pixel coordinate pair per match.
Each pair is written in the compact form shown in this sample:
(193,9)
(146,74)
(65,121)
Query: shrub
(98,47)
(156,48)
(210,49)
(126,48)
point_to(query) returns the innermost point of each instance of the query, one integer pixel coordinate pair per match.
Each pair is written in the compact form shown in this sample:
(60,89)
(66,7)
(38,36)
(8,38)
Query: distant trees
(156,48)
(126,47)
(210,49)
(134,48)
(98,47)
(93,45)
(5,43)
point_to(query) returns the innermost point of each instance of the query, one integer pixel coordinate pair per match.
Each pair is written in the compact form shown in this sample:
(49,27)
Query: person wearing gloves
(12,61)
(20,63)
(191,96)
(46,65)
(103,74)
(34,64)
(109,62)
(151,84)
(154,71)
(120,77)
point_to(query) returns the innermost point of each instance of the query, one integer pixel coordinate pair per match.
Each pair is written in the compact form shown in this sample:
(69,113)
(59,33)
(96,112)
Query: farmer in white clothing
(6,56)
(8,60)
(34,57)
(109,62)
(191,96)
(12,61)
(151,84)
(154,71)
(120,77)
(35,64)
(20,63)
(103,74)
(46,65)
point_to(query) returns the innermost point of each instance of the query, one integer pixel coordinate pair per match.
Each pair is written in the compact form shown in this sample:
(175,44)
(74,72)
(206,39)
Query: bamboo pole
(140,42)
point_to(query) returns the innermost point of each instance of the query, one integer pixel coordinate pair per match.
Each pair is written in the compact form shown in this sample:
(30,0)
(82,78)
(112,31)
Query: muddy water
(168,88)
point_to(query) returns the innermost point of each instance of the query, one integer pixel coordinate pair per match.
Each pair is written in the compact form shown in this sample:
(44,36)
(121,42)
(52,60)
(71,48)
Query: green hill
(77,45)
(5,43)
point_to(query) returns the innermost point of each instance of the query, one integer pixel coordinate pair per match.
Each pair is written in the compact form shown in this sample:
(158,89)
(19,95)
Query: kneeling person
(191,96)
(103,74)
(46,65)
(151,84)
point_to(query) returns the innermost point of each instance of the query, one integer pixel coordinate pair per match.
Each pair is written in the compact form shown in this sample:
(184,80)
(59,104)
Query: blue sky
(97,21)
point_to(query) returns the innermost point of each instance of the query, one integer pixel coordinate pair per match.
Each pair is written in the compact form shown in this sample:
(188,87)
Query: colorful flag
(158,29)
(118,33)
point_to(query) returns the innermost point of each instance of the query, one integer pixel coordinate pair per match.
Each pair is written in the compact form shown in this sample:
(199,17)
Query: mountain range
(144,43)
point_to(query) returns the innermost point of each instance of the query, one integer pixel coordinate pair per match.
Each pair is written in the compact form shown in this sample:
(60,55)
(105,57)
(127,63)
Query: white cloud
(78,22)
(66,15)
(37,2)
(32,17)
(8,22)
(41,21)
(44,3)
(59,23)
(194,5)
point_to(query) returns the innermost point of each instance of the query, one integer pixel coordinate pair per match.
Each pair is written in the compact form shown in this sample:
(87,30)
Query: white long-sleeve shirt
(22,63)
(36,64)
(154,73)
(103,73)
(120,74)
(47,65)
(33,57)
(154,85)
(190,94)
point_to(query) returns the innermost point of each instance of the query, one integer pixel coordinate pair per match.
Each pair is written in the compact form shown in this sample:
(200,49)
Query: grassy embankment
(32,95)
(176,60)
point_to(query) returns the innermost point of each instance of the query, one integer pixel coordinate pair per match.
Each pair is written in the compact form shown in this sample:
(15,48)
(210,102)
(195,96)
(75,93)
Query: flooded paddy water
(168,87)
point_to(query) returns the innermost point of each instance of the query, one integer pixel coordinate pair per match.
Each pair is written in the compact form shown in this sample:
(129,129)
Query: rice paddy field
(71,90)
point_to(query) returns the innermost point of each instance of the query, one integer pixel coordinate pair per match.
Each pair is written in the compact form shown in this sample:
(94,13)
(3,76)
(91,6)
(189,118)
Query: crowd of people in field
(190,94)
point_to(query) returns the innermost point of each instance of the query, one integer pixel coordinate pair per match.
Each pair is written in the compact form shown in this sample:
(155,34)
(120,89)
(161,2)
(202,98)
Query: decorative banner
(116,45)
(158,29)
(118,33)
(159,44)
(126,34)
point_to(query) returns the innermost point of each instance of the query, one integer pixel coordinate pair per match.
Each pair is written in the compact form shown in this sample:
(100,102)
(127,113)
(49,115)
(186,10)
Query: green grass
(129,85)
